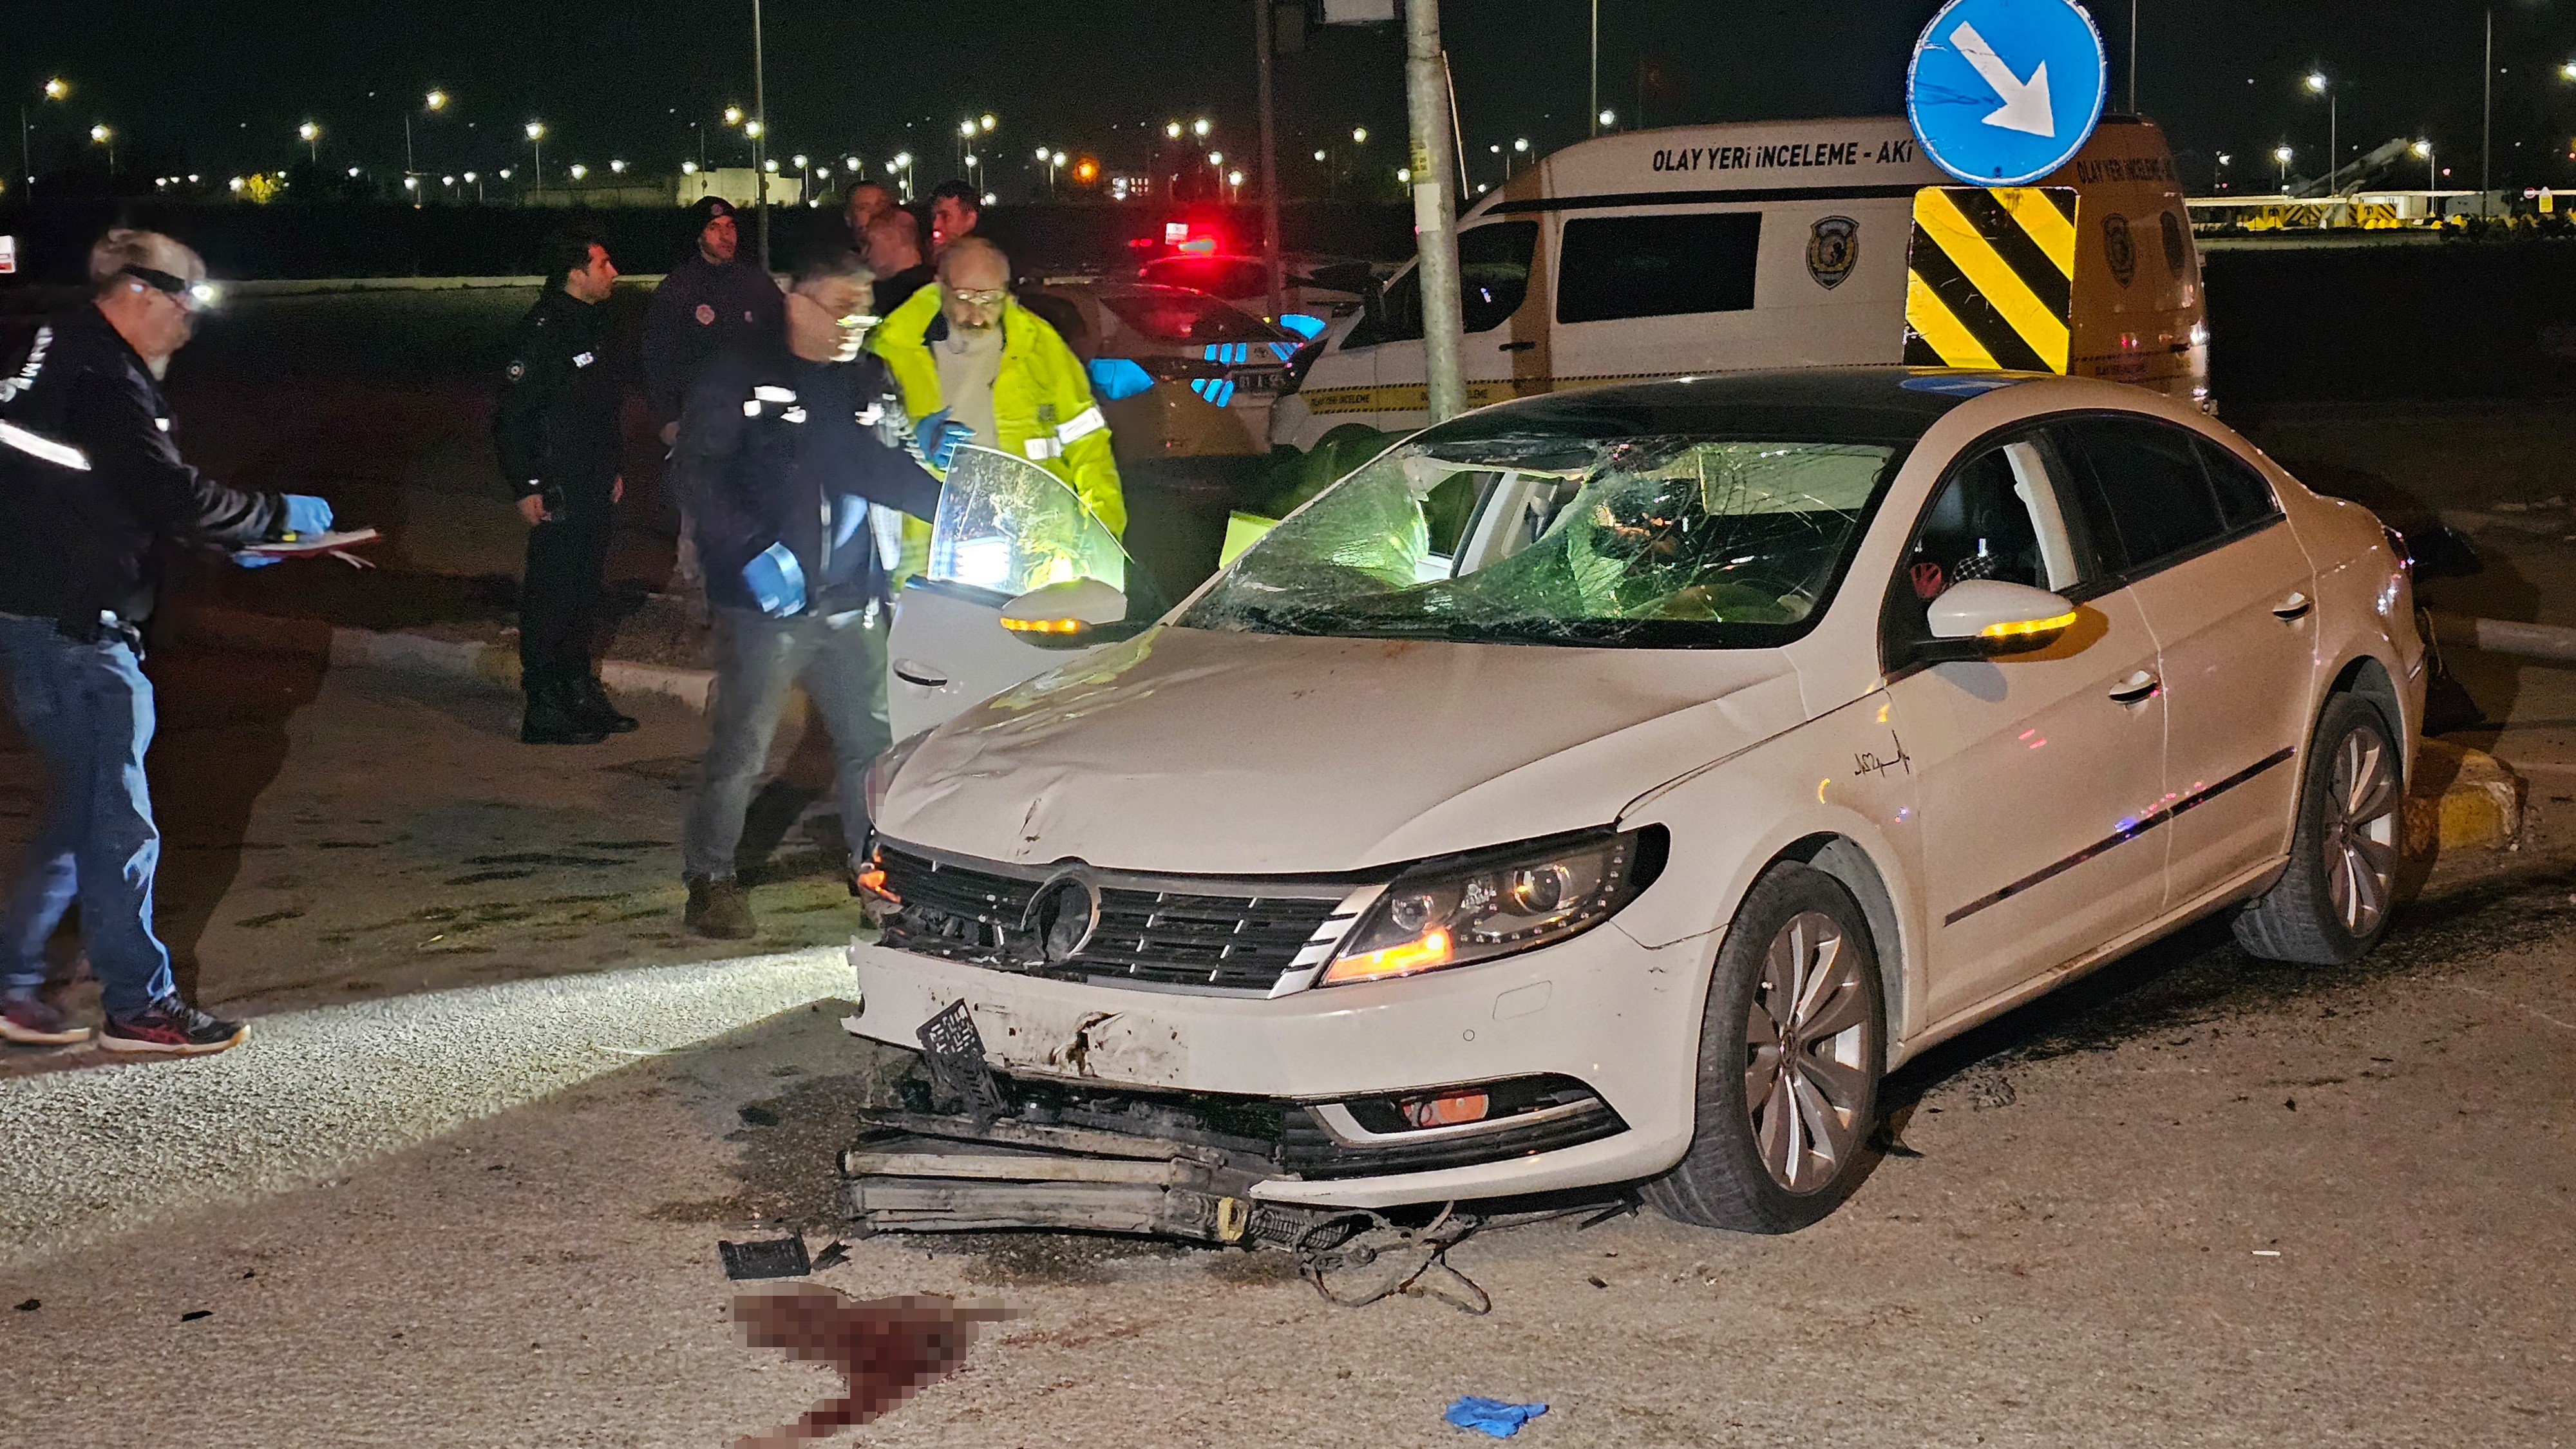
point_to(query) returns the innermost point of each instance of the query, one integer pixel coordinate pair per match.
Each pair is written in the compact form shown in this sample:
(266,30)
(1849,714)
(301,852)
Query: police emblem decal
(1833,249)
(706,315)
(2119,249)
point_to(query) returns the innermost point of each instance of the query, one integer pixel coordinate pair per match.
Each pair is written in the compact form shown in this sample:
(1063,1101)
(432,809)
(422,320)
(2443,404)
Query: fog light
(1445,1111)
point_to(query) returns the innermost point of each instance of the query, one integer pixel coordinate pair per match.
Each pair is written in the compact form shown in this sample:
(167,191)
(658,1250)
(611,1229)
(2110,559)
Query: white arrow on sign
(2025,106)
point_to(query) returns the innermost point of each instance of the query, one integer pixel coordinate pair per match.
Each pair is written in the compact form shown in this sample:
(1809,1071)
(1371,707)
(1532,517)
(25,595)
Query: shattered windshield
(1652,541)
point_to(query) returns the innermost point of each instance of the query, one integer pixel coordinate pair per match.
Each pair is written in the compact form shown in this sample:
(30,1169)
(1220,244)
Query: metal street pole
(409,167)
(760,143)
(2133,57)
(26,155)
(1426,106)
(2486,141)
(1594,114)
(1261,50)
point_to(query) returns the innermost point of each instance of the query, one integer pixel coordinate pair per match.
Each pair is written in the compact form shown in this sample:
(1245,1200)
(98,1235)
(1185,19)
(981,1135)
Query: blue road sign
(2003,92)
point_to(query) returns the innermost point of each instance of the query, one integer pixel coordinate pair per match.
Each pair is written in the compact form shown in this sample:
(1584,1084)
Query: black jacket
(699,310)
(774,449)
(892,292)
(556,423)
(90,479)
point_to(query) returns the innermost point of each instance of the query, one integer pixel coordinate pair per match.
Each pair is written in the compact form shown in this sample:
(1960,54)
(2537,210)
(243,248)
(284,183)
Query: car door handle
(1516,347)
(914,672)
(2293,608)
(2138,688)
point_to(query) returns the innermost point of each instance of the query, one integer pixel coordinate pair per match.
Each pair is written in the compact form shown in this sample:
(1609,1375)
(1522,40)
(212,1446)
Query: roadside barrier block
(2463,799)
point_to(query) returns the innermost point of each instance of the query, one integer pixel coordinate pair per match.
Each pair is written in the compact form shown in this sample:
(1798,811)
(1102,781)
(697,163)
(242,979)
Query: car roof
(1889,403)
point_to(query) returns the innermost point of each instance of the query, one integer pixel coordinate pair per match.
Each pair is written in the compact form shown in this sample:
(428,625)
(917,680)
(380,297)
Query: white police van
(1700,249)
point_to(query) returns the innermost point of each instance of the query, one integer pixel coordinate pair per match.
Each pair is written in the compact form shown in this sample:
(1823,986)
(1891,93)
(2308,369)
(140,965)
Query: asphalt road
(344,835)
(2197,1200)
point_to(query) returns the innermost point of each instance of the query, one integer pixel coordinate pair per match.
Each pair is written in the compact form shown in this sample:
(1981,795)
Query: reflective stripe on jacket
(1042,404)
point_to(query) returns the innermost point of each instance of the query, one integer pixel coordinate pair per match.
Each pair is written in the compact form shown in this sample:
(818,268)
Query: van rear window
(1616,267)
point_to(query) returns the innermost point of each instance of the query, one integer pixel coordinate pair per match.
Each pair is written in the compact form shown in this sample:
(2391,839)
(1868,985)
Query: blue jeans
(842,662)
(88,710)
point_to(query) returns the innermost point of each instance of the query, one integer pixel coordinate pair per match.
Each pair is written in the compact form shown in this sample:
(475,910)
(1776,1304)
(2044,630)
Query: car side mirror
(1989,619)
(1074,614)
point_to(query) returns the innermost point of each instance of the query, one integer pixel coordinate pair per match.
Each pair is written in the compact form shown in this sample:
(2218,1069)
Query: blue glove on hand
(939,437)
(777,581)
(306,514)
(254,560)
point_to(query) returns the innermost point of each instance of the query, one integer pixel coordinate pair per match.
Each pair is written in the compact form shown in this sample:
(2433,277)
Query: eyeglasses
(979,299)
(191,296)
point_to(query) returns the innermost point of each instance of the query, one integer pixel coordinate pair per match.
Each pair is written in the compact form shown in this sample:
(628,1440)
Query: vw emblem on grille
(1062,916)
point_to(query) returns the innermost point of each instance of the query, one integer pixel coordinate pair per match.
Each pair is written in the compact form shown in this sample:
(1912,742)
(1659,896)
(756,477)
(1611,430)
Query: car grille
(1147,932)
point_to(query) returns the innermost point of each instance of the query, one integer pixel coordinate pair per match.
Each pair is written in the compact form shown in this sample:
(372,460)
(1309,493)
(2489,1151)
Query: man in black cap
(556,432)
(711,302)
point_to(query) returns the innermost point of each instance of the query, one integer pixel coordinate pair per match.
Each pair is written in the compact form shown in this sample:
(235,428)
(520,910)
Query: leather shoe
(599,708)
(556,717)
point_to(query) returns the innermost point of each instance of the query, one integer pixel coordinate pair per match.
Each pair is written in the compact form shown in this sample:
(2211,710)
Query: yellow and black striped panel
(1992,278)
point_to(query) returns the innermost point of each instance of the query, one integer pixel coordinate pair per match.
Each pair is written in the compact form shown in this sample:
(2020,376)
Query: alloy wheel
(2360,834)
(1804,1036)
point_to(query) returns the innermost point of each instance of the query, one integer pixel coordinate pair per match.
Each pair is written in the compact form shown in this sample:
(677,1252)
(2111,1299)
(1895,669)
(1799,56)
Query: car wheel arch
(2368,677)
(1843,858)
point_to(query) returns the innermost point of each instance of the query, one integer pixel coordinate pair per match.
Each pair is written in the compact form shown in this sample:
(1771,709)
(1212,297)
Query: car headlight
(1456,912)
(881,774)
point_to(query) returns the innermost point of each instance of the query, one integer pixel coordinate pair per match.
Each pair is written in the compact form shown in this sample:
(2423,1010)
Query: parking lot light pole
(1270,265)
(1435,160)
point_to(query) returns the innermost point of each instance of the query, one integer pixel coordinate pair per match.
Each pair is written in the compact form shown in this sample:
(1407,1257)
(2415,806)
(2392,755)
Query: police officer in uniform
(556,432)
(713,300)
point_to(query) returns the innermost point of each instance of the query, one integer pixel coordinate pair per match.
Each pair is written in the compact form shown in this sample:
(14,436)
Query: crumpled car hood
(1196,752)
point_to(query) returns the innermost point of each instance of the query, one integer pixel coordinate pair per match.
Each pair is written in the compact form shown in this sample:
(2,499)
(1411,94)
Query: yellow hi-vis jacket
(1042,405)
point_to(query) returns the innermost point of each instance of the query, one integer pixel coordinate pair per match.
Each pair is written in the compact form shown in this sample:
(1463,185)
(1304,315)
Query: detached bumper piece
(933,1173)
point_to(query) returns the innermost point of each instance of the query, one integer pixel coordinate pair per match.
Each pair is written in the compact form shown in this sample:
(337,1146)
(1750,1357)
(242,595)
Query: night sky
(221,86)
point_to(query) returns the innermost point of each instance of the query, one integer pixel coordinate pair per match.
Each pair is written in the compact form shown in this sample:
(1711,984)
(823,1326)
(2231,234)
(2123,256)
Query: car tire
(1788,1098)
(2332,904)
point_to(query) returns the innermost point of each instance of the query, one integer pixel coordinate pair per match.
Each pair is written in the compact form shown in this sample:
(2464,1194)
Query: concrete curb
(421,653)
(2463,799)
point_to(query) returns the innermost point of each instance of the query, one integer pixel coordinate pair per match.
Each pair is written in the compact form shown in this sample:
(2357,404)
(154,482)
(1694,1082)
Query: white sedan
(1613,786)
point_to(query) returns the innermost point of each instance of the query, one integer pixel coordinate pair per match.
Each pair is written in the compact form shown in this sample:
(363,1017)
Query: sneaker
(172,1027)
(32,1021)
(720,908)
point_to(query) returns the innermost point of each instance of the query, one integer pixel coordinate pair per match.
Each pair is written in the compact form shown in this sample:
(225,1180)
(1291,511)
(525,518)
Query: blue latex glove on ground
(1492,1416)
(777,581)
(306,514)
(939,438)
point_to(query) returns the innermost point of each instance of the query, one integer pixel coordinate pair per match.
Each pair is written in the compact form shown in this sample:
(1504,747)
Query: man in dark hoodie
(713,300)
(91,485)
(556,432)
(799,462)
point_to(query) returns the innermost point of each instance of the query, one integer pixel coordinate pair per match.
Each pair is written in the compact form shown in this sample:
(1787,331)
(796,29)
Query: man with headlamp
(91,483)
(799,463)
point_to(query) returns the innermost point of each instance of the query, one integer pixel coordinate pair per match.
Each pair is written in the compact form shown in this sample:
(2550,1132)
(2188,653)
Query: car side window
(2244,496)
(2143,494)
(1613,268)
(1997,516)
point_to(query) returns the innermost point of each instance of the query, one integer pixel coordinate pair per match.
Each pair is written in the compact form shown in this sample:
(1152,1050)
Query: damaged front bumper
(1571,1067)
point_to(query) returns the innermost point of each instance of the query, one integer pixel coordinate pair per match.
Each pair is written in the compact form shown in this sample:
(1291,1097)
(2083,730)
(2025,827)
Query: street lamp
(733,115)
(986,120)
(2281,157)
(579,171)
(101,135)
(1359,135)
(903,162)
(434,102)
(617,166)
(2319,85)
(58,89)
(55,89)
(311,135)
(537,142)
(1201,127)
(1609,119)
(1172,130)
(2423,151)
